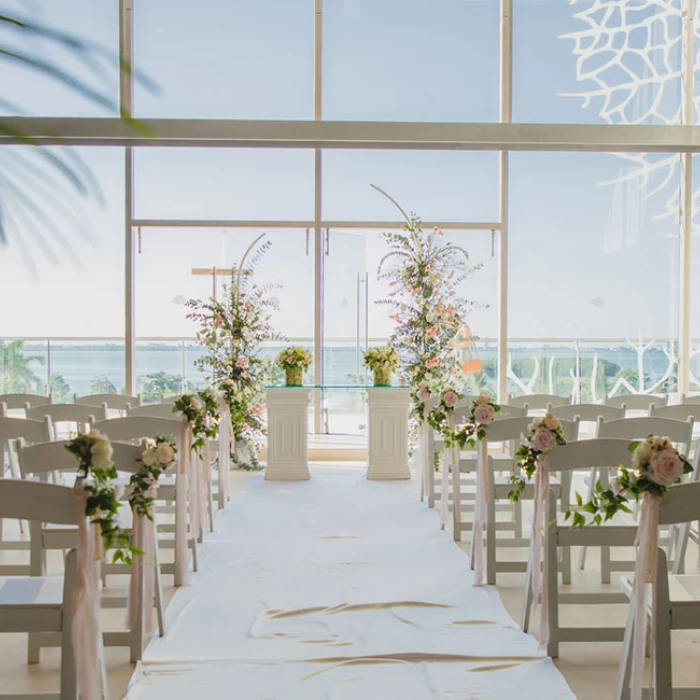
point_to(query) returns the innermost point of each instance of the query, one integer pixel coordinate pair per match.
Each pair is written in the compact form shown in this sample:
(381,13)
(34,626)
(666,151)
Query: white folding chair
(511,429)
(114,402)
(36,462)
(82,417)
(678,432)
(539,402)
(21,402)
(637,402)
(133,429)
(156,410)
(170,399)
(582,455)
(42,604)
(675,604)
(31,431)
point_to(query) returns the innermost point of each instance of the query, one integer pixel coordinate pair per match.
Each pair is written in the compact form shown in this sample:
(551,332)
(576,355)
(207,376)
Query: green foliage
(16,373)
(97,475)
(234,332)
(158,385)
(202,412)
(61,391)
(102,385)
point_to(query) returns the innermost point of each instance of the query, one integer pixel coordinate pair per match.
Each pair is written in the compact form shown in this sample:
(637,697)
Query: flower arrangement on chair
(158,455)
(294,360)
(544,433)
(97,473)
(234,332)
(383,361)
(656,466)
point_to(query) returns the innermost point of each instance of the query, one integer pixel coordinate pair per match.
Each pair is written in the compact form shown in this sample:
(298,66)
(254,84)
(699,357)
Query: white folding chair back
(170,399)
(42,605)
(158,410)
(120,402)
(539,402)
(132,428)
(681,411)
(23,401)
(675,604)
(589,412)
(26,428)
(509,411)
(83,417)
(637,402)
(677,431)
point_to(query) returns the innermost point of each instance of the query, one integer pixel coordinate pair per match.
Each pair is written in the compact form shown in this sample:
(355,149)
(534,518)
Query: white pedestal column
(287,434)
(388,433)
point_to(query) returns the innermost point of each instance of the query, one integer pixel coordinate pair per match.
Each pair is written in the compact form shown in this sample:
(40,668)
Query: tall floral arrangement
(233,332)
(424,271)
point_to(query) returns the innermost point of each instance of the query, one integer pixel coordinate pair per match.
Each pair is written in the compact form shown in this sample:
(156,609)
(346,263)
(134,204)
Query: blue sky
(585,259)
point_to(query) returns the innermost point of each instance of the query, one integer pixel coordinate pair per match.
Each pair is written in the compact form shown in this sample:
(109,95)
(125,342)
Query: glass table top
(336,386)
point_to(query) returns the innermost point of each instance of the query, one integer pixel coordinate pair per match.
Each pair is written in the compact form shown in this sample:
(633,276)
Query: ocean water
(80,364)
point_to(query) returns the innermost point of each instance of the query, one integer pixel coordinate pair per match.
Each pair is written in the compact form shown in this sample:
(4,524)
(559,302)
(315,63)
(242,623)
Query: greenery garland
(202,412)
(656,465)
(156,458)
(94,454)
(543,434)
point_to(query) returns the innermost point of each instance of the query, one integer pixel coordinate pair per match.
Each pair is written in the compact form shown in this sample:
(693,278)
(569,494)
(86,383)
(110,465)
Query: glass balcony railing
(586,369)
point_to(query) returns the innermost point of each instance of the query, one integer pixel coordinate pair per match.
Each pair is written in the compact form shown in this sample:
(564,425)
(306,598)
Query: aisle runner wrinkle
(338,589)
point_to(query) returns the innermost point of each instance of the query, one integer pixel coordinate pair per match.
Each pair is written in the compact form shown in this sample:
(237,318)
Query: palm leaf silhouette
(37,182)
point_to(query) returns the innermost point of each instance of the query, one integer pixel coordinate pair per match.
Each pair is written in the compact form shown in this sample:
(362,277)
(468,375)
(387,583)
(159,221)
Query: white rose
(484,414)
(665,467)
(551,422)
(450,398)
(482,399)
(149,457)
(536,424)
(661,443)
(101,453)
(164,453)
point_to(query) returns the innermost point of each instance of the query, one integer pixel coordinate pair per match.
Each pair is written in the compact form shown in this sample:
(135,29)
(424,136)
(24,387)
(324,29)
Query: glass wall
(593,281)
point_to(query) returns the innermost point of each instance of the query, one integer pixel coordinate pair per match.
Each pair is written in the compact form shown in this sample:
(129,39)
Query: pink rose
(542,440)
(665,467)
(242,362)
(432,332)
(450,398)
(432,363)
(484,413)
(423,395)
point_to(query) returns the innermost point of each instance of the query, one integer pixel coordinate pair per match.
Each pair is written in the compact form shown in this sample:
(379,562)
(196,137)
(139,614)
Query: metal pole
(126,98)
(506,113)
(686,227)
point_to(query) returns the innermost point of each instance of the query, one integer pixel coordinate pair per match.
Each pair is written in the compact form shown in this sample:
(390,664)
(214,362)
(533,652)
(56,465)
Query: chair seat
(34,591)
(681,589)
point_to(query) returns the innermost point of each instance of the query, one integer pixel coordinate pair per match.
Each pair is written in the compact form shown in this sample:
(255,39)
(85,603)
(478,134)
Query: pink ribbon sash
(85,607)
(181,488)
(143,566)
(644,572)
(480,510)
(538,559)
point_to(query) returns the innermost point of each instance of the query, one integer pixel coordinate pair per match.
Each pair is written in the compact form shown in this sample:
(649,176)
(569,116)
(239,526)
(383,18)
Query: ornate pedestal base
(287,434)
(388,433)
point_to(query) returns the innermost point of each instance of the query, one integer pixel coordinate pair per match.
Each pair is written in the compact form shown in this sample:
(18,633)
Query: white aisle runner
(338,589)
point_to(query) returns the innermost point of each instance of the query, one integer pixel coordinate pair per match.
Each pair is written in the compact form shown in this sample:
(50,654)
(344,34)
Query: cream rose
(484,414)
(450,398)
(642,454)
(164,453)
(423,395)
(482,399)
(149,457)
(551,422)
(101,453)
(665,467)
(542,440)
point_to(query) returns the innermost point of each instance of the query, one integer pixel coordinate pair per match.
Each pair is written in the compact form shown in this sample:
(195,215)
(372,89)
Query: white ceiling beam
(197,133)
